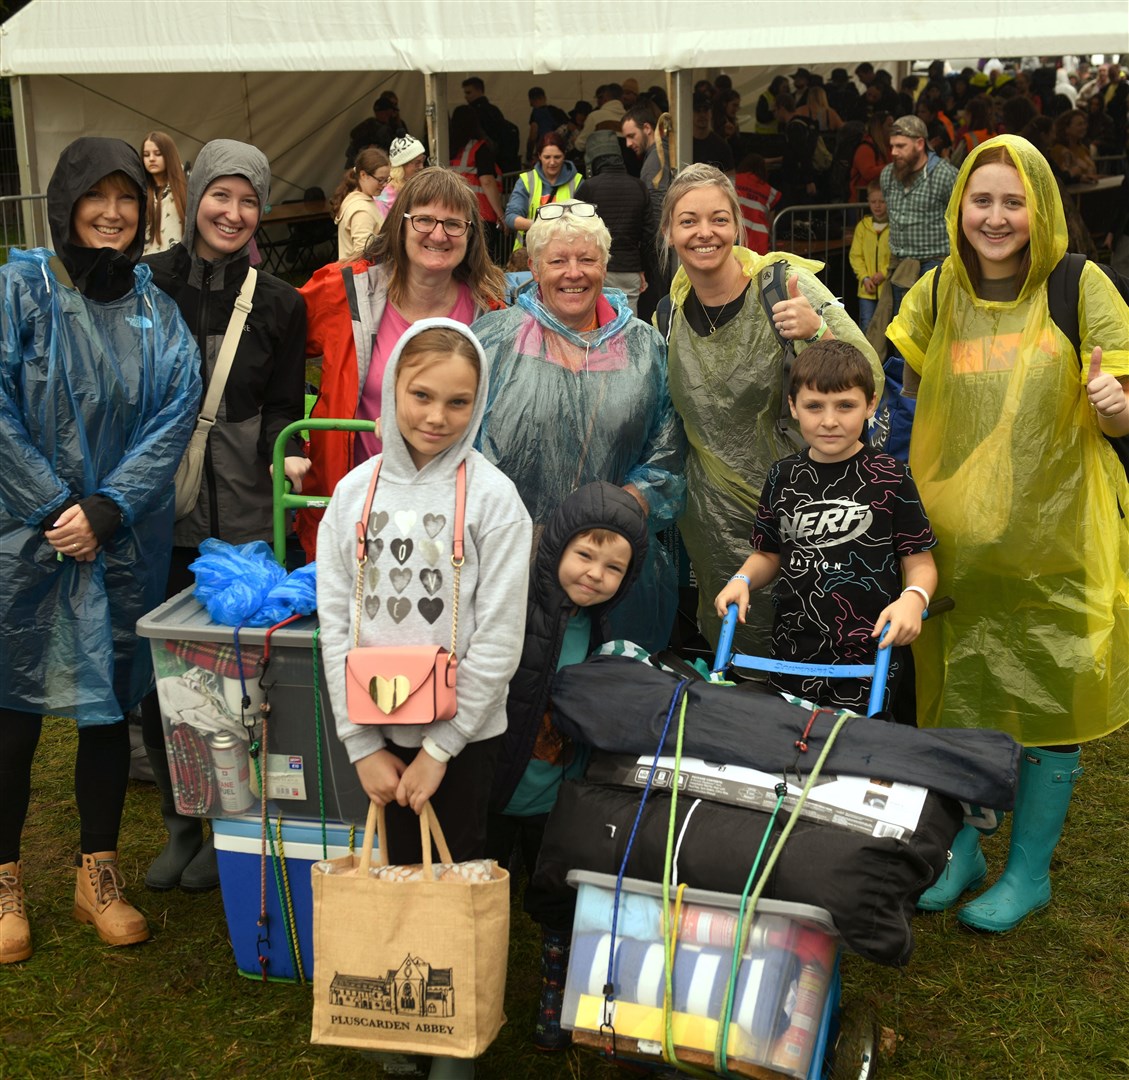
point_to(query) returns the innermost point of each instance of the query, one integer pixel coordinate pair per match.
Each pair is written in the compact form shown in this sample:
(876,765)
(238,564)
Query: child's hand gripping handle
(725,641)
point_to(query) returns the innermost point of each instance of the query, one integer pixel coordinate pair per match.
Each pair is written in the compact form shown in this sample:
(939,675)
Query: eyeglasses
(553,210)
(425,223)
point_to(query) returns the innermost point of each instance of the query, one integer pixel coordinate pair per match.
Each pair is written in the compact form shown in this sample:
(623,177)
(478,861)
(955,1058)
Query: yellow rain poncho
(727,387)
(1022,491)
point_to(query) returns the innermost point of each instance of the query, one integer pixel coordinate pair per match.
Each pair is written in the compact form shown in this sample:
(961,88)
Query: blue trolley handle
(878,672)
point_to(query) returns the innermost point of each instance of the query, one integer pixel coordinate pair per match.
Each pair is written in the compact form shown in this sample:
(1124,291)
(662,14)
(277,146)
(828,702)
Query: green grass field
(1050,1000)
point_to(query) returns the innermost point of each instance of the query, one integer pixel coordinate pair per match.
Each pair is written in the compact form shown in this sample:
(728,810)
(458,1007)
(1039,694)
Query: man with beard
(916,185)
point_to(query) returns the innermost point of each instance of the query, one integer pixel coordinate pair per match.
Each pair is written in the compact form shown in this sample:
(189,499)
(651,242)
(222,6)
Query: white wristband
(920,592)
(435,751)
(741,577)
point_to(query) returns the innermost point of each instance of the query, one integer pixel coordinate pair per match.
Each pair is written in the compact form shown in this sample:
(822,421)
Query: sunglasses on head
(551,211)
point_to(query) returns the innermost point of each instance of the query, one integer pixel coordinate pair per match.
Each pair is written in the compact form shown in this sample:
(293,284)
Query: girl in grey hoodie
(434,398)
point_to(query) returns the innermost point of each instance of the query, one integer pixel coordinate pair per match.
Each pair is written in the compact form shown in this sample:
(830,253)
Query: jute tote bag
(409,958)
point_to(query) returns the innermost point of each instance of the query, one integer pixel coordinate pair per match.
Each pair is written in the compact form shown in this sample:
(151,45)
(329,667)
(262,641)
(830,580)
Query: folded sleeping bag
(869,884)
(620,705)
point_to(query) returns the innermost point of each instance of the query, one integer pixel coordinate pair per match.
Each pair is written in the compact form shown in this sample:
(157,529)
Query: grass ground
(1050,1000)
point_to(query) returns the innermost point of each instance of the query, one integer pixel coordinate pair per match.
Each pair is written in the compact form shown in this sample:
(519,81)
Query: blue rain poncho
(566,408)
(95,398)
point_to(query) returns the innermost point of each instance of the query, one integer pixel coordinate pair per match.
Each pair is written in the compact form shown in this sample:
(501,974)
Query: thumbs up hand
(1106,394)
(795,318)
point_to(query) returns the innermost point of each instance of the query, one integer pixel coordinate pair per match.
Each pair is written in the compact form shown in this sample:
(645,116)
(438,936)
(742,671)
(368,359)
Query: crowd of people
(565,438)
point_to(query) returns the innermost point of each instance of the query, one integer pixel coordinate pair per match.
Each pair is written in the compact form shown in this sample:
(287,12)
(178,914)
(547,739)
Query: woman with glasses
(553,178)
(428,261)
(578,392)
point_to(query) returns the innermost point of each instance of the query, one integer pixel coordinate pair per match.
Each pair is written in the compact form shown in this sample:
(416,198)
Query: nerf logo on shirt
(833,521)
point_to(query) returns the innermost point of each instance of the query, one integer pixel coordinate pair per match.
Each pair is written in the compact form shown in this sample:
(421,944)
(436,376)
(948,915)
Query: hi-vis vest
(465,167)
(534,186)
(773,127)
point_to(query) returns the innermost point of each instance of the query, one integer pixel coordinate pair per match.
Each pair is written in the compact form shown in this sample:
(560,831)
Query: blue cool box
(239,852)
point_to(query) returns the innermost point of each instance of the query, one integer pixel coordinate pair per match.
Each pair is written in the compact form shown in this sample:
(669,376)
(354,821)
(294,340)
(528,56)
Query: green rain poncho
(1022,491)
(727,387)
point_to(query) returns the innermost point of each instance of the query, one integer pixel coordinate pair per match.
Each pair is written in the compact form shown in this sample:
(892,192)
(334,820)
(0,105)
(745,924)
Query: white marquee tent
(294,76)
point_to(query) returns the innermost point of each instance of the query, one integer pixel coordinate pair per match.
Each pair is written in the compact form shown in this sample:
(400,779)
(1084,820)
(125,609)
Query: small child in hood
(590,554)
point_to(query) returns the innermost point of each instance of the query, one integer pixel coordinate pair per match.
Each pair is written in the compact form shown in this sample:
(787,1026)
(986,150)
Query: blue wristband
(741,577)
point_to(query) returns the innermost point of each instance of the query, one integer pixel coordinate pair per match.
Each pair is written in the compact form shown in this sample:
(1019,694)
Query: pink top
(391,329)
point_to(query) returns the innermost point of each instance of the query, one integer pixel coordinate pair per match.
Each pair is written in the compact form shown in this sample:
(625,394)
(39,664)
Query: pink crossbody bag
(406,684)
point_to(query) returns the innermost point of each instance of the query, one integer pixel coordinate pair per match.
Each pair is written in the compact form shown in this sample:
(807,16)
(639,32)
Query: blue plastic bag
(233,582)
(297,594)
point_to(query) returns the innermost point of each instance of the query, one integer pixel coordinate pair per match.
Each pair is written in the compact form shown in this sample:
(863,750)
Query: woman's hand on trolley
(295,468)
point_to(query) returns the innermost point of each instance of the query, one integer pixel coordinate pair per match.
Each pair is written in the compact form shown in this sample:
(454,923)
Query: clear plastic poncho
(95,398)
(727,388)
(563,411)
(1022,491)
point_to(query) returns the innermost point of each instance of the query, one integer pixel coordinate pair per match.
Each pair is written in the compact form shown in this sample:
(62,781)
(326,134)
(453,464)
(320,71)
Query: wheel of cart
(846,1047)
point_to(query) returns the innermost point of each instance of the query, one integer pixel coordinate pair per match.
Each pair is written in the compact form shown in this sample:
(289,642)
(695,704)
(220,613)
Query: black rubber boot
(202,874)
(186,834)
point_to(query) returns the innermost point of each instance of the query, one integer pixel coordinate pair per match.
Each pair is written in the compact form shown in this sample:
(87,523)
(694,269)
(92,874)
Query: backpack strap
(1063,288)
(663,312)
(934,287)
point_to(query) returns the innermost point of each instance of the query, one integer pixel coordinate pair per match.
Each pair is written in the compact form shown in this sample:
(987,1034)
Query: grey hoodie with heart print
(407,593)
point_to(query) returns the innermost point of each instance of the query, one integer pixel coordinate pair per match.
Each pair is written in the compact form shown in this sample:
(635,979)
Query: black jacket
(622,203)
(598,505)
(265,389)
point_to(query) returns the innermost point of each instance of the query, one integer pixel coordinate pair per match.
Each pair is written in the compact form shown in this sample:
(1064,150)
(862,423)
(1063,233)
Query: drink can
(233,771)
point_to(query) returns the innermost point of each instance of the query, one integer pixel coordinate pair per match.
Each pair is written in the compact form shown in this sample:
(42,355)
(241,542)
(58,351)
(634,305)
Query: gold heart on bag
(389,694)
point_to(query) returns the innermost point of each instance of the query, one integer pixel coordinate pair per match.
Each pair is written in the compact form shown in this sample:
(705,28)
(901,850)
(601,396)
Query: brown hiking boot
(99,900)
(15,930)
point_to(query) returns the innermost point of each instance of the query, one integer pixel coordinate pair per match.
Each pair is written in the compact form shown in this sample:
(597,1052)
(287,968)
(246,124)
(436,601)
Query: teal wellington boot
(965,870)
(1046,782)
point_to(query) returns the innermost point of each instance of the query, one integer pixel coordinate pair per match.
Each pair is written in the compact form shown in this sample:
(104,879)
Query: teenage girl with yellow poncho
(1022,491)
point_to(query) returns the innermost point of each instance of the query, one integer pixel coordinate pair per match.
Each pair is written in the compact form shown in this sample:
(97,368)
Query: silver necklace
(721,311)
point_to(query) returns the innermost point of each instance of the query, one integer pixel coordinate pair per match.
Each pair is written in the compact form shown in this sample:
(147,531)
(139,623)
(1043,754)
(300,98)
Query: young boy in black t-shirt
(842,532)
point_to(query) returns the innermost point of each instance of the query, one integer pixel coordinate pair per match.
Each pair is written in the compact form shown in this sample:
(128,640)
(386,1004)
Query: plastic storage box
(209,733)
(239,848)
(781,991)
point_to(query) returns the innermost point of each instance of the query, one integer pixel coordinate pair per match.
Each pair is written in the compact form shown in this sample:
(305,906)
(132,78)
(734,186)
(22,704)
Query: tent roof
(60,37)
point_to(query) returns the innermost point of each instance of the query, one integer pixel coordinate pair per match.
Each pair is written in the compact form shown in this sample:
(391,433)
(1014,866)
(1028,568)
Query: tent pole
(435,109)
(24,118)
(680,90)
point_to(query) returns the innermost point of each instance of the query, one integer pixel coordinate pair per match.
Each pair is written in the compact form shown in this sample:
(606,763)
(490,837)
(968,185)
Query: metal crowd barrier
(23,223)
(822,231)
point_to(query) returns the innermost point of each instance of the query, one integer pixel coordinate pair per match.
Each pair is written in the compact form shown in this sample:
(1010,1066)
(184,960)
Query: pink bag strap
(460,514)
